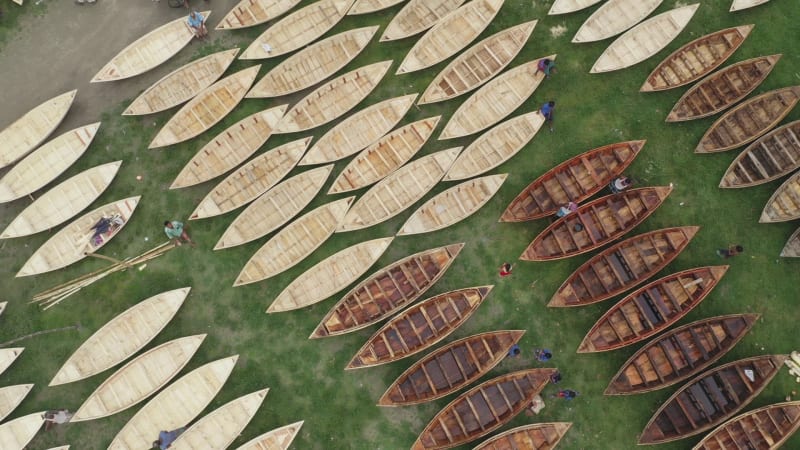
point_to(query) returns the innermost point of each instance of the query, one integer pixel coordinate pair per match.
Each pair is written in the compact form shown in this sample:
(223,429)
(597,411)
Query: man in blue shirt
(197,23)
(547,111)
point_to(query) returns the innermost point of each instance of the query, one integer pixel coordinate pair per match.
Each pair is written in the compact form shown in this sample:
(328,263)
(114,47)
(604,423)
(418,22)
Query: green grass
(306,377)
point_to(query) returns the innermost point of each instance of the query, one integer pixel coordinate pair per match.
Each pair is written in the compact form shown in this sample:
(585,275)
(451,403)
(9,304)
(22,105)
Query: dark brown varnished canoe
(419,327)
(651,309)
(536,436)
(450,368)
(482,409)
(680,354)
(765,428)
(575,179)
(711,398)
(784,204)
(622,266)
(772,156)
(792,247)
(387,291)
(595,224)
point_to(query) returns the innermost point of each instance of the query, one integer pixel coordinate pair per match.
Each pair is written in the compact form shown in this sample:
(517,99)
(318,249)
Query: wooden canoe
(536,436)
(419,327)
(680,353)
(330,275)
(294,242)
(496,146)
(575,179)
(274,208)
(417,16)
(62,202)
(784,204)
(15,434)
(696,59)
(453,205)
(248,13)
(371,6)
(644,40)
(748,120)
(384,156)
(739,5)
(298,29)
(482,409)
(651,309)
(206,109)
(450,368)
(149,51)
(772,156)
(75,241)
(764,428)
(182,84)
(7,356)
(11,397)
(277,439)
(387,291)
(30,130)
(478,64)
(138,379)
(722,89)
(45,164)
(176,405)
(398,191)
(595,224)
(251,180)
(451,34)
(711,398)
(3,307)
(622,266)
(570,6)
(791,249)
(63,447)
(333,99)
(614,17)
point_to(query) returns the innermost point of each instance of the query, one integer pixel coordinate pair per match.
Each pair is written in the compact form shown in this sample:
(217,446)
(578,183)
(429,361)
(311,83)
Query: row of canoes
(570,6)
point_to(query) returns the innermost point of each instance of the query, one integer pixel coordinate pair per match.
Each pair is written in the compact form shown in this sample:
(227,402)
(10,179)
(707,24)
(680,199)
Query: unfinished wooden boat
(251,180)
(792,247)
(534,436)
(371,6)
(3,307)
(138,379)
(595,224)
(11,397)
(384,156)
(739,5)
(248,13)
(575,179)
(569,6)
(453,205)
(274,208)
(680,353)
(63,447)
(149,51)
(644,40)
(614,17)
(450,34)
(294,242)
(772,156)
(76,240)
(450,368)
(482,409)
(711,398)
(651,309)
(784,204)
(387,291)
(748,120)
(7,356)
(204,111)
(182,84)
(764,428)
(277,439)
(622,266)
(330,275)
(417,16)
(478,64)
(15,434)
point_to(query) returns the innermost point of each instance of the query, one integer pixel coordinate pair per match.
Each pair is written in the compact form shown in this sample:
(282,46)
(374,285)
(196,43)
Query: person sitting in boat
(166,438)
(620,183)
(174,231)
(567,209)
(547,66)
(197,23)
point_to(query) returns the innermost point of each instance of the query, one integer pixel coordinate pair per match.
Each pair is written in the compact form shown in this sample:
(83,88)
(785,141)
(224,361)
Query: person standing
(174,231)
(547,110)
(505,269)
(547,66)
(730,252)
(619,184)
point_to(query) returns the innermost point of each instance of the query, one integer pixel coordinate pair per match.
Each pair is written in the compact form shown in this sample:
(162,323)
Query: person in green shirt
(174,230)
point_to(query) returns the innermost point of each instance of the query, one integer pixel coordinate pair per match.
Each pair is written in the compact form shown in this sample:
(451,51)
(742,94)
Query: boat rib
(7,357)
(534,436)
(614,17)
(784,204)
(11,397)
(249,13)
(371,6)
(791,249)
(417,16)
(739,5)
(15,434)
(570,6)
(277,439)
(765,428)
(772,156)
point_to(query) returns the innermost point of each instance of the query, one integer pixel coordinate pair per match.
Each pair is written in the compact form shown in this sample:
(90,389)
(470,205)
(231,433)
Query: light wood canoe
(298,29)
(450,368)
(175,406)
(614,17)
(748,120)
(570,6)
(11,397)
(791,249)
(536,436)
(330,275)
(450,34)
(784,204)
(15,434)
(622,266)
(277,439)
(651,309)
(739,5)
(7,356)
(483,409)
(711,398)
(149,51)
(30,130)
(595,224)
(419,327)
(138,379)
(313,64)
(696,59)
(384,156)
(417,16)
(772,156)
(478,64)
(63,447)
(398,191)
(121,337)
(644,40)
(371,6)
(274,208)
(19,2)
(73,242)
(496,146)
(453,205)
(3,307)
(680,353)
(206,109)
(248,13)
(765,428)
(294,242)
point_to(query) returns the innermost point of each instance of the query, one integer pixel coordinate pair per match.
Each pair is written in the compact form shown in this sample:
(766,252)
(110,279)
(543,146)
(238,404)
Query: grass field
(306,377)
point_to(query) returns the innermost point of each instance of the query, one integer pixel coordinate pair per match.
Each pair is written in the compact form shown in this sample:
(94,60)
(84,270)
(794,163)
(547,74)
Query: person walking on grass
(547,110)
(174,231)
